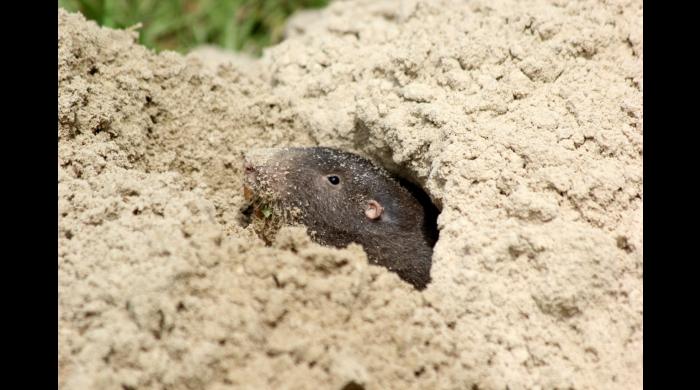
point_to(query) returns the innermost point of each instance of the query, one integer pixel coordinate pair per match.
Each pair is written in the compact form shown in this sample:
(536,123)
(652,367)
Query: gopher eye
(335,180)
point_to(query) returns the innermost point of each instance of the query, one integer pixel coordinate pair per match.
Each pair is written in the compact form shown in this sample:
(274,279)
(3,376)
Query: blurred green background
(241,25)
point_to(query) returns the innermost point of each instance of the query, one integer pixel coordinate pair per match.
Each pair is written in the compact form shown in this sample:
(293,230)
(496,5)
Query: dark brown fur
(295,179)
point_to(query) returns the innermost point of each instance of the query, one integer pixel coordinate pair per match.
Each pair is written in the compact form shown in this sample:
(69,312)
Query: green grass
(241,25)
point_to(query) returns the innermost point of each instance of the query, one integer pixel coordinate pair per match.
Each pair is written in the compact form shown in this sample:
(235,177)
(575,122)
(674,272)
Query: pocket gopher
(343,198)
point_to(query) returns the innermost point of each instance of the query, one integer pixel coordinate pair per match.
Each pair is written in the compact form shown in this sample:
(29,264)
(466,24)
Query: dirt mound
(522,120)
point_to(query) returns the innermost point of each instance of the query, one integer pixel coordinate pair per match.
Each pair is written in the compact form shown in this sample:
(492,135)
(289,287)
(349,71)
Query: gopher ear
(373,210)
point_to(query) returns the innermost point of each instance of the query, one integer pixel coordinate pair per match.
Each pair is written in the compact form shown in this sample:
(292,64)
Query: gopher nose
(249,167)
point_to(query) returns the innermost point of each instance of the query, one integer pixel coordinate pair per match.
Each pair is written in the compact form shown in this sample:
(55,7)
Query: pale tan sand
(523,121)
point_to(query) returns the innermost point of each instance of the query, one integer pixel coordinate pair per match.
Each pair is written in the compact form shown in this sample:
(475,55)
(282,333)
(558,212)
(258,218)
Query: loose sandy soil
(521,119)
